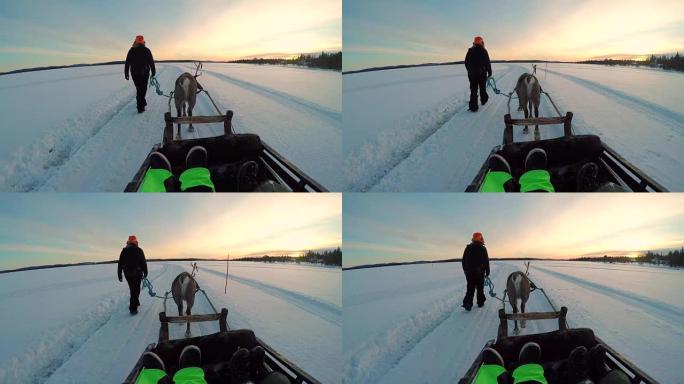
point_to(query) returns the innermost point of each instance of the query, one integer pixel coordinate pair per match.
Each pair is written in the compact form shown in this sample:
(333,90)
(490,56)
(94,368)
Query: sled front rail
(170,121)
(510,122)
(290,369)
(165,320)
(505,317)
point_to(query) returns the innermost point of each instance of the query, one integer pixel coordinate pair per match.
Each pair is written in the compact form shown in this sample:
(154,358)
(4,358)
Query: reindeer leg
(516,330)
(527,114)
(522,310)
(178,132)
(191,302)
(536,127)
(190,128)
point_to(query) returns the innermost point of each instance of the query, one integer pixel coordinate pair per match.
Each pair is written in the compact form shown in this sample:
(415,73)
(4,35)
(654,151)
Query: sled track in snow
(60,345)
(402,82)
(675,315)
(405,153)
(326,311)
(286,99)
(362,364)
(673,118)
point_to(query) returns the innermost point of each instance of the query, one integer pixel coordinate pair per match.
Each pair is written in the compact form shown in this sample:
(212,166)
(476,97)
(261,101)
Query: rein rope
(146,284)
(491,83)
(155,83)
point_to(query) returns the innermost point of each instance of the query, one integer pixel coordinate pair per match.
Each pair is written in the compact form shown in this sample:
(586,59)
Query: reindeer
(185,94)
(184,287)
(518,287)
(529,95)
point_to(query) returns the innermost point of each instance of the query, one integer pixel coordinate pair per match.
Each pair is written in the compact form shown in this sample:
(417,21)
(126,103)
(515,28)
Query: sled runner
(566,156)
(237,162)
(217,349)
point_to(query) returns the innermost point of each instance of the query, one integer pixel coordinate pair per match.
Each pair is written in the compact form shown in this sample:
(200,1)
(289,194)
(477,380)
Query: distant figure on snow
(479,69)
(140,62)
(132,263)
(475,266)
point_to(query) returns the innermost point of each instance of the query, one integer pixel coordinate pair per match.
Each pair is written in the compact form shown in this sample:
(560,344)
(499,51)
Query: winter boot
(240,366)
(190,356)
(196,157)
(158,177)
(530,353)
(597,361)
(491,356)
(492,369)
(498,178)
(536,159)
(159,161)
(587,177)
(196,177)
(467,308)
(577,367)
(151,360)
(256,362)
(153,371)
(536,177)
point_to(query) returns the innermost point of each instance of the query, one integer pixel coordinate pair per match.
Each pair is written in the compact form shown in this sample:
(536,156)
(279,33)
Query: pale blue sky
(391,32)
(38,229)
(381,228)
(54,32)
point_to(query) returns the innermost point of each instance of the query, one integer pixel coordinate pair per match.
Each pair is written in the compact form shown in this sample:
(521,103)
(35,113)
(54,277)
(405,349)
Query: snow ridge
(368,362)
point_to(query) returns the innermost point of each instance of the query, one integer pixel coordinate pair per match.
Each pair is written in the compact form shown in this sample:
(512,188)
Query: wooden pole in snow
(225,288)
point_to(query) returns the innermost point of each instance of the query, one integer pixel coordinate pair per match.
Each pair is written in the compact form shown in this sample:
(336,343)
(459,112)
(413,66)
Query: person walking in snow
(134,266)
(479,69)
(475,266)
(140,62)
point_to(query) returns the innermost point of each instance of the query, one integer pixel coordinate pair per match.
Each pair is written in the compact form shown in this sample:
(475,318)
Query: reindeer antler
(198,67)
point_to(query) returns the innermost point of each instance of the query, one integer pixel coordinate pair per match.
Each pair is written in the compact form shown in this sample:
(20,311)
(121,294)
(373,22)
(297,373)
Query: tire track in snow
(323,309)
(674,119)
(282,97)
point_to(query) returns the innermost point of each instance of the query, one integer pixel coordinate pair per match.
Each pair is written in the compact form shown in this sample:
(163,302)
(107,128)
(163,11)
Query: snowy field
(409,129)
(405,324)
(77,129)
(71,325)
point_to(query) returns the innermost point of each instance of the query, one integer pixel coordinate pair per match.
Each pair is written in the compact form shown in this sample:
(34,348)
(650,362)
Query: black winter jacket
(132,262)
(475,259)
(477,61)
(140,61)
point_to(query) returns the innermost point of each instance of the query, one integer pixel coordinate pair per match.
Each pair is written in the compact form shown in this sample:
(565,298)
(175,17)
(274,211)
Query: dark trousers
(475,281)
(477,82)
(140,82)
(134,285)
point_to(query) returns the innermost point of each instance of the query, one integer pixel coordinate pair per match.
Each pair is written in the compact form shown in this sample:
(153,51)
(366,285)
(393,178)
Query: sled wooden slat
(505,317)
(197,119)
(190,318)
(509,122)
(538,121)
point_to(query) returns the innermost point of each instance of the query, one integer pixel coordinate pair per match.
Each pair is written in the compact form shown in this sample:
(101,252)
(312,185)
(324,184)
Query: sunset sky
(391,32)
(381,228)
(39,229)
(56,32)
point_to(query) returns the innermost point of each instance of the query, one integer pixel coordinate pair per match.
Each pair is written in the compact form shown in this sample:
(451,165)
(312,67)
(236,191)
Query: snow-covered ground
(71,325)
(77,129)
(405,324)
(409,129)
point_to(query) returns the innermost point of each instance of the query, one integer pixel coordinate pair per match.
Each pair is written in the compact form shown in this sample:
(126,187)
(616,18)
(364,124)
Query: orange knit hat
(139,40)
(477,237)
(478,40)
(132,240)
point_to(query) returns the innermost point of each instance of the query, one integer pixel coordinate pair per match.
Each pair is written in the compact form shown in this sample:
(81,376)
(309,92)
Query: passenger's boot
(240,367)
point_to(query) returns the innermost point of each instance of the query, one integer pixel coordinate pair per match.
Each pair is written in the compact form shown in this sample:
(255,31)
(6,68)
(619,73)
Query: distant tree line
(327,257)
(671,258)
(323,60)
(675,62)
